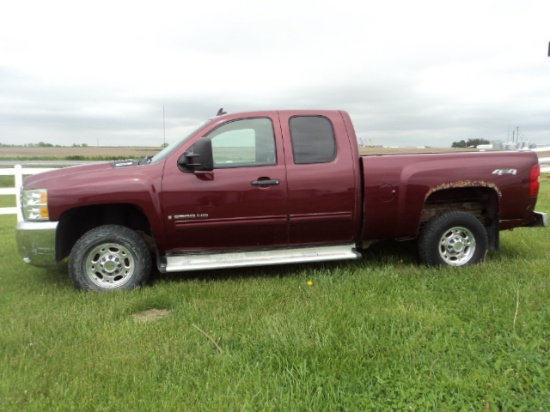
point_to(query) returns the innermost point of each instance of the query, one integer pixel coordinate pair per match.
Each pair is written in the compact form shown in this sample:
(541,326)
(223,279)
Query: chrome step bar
(191,262)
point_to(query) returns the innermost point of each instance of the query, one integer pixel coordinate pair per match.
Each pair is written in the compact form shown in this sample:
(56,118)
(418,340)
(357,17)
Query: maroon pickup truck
(271,187)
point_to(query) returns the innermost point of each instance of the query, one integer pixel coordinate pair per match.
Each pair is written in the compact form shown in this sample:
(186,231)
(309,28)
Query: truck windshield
(171,147)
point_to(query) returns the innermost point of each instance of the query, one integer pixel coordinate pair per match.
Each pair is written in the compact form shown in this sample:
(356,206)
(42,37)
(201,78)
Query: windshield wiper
(146,160)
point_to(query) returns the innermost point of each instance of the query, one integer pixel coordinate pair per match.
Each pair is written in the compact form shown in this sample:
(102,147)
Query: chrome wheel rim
(457,246)
(110,265)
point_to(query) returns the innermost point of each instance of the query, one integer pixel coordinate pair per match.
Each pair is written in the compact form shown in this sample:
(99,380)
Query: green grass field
(383,333)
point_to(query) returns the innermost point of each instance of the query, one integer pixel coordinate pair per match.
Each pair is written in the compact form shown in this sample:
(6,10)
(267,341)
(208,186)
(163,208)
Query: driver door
(241,204)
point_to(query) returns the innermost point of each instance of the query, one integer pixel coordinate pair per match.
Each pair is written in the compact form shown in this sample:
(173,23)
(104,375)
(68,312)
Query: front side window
(312,139)
(245,142)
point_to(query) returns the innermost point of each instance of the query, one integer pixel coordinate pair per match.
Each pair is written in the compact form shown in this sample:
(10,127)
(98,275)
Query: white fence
(18,172)
(544,164)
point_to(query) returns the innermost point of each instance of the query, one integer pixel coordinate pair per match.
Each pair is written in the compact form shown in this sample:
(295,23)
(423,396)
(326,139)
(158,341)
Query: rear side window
(312,139)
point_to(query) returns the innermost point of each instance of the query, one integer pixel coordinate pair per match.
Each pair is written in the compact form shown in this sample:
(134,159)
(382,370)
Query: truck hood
(45,180)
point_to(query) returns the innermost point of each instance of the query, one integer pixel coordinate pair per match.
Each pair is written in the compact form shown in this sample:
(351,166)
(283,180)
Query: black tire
(109,257)
(453,239)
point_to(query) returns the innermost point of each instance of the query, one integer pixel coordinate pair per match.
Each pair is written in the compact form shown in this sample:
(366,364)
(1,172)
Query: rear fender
(481,199)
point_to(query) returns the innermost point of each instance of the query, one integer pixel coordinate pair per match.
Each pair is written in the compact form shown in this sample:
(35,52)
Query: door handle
(265,182)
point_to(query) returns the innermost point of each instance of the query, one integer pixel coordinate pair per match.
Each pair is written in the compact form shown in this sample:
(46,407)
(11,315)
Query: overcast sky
(410,73)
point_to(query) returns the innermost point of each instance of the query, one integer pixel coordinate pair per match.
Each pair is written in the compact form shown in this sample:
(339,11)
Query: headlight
(34,204)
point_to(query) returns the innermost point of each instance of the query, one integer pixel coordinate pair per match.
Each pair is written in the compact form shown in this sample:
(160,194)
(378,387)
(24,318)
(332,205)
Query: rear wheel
(453,239)
(109,257)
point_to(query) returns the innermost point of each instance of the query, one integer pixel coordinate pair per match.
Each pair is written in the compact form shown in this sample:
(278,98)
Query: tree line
(470,143)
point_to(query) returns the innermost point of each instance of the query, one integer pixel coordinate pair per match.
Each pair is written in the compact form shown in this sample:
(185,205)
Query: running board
(191,262)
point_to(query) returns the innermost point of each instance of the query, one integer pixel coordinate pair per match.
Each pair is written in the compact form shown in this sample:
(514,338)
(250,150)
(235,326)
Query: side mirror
(199,158)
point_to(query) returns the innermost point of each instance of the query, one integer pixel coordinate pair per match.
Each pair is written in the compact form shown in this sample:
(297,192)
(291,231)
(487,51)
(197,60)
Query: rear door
(321,177)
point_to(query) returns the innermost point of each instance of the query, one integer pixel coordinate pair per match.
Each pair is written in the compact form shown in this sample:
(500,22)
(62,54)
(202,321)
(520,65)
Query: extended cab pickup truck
(271,187)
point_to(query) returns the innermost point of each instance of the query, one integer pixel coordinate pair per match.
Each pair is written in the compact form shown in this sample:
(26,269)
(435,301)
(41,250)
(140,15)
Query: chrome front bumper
(36,242)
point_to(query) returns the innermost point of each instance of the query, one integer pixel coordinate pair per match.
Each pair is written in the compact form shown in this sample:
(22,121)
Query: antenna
(163,128)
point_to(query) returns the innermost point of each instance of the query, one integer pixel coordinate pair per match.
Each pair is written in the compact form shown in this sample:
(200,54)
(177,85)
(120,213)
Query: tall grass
(382,333)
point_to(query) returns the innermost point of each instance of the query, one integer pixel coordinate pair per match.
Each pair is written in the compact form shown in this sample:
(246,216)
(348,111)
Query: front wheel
(453,239)
(109,257)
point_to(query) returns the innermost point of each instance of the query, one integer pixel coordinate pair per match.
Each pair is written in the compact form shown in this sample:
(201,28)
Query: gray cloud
(409,73)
